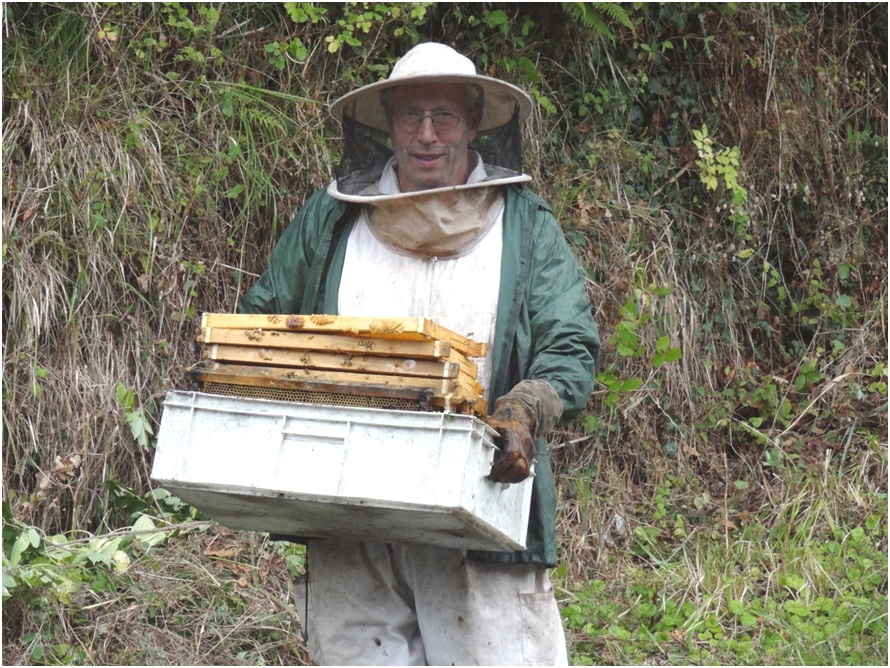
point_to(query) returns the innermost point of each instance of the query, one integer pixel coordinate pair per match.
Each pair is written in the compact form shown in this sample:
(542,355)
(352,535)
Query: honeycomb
(312,397)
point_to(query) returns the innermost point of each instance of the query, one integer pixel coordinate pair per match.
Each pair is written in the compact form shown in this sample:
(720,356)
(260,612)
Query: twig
(673,180)
(830,385)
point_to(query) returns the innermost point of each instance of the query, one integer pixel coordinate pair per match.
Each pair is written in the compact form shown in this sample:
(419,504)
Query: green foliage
(360,19)
(280,51)
(304,12)
(636,315)
(134,416)
(718,164)
(595,16)
(497,41)
(824,603)
(124,579)
(38,568)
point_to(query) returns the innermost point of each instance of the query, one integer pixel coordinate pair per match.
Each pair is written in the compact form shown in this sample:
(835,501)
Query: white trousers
(386,604)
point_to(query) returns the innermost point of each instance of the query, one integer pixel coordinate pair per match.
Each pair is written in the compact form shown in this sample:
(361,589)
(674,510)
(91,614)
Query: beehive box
(321,471)
(409,363)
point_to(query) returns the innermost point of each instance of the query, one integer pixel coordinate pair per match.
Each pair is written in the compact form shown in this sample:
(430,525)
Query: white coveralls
(386,604)
(412,605)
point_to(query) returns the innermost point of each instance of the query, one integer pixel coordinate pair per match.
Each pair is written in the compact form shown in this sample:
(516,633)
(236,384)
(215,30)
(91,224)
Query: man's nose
(426,133)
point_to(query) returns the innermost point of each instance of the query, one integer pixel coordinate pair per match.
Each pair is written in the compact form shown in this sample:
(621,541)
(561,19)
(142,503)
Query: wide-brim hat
(434,63)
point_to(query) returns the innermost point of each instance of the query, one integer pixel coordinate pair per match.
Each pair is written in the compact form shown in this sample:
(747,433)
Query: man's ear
(473,121)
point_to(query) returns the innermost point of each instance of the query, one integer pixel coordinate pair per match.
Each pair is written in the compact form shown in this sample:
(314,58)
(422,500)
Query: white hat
(434,63)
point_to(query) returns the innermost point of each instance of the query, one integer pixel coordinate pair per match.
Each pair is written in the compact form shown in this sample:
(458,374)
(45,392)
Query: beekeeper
(430,216)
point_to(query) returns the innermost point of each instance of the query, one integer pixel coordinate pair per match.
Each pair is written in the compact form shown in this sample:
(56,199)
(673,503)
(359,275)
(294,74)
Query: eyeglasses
(411,120)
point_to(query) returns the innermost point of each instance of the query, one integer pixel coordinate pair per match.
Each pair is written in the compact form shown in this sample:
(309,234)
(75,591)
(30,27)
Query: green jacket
(544,329)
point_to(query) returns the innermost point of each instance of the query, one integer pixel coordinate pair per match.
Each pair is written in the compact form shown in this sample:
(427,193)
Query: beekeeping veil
(365,171)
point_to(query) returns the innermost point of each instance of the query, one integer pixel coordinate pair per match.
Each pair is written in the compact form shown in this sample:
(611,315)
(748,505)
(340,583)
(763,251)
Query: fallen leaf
(223,552)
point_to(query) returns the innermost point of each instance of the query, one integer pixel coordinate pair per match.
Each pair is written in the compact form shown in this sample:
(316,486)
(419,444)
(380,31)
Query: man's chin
(427,183)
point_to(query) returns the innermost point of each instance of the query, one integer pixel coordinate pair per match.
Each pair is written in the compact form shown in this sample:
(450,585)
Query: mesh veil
(366,148)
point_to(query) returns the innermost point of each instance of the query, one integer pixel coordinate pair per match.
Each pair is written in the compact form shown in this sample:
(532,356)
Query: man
(421,223)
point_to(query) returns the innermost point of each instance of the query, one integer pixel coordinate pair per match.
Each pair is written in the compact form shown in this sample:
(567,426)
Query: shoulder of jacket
(322,199)
(321,210)
(529,197)
(530,207)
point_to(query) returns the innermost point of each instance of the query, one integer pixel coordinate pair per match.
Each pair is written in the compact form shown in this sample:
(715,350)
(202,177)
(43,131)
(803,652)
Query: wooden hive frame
(410,359)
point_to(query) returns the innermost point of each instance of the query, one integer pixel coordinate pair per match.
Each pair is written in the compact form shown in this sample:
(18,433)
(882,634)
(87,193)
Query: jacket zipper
(428,288)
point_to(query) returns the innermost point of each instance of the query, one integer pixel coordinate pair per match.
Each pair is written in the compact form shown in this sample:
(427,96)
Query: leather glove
(516,447)
(529,410)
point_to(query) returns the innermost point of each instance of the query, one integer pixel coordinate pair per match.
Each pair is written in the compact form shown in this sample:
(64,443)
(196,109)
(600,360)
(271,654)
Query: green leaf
(792,581)
(736,607)
(647,610)
(120,561)
(772,457)
(9,583)
(150,537)
(125,398)
(747,619)
(844,301)
(496,18)
(744,254)
(22,543)
(235,191)
(630,385)
(544,101)
(139,427)
(619,632)
(37,653)
(797,608)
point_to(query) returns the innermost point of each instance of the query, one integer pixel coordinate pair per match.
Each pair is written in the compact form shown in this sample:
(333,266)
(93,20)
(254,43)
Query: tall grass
(134,198)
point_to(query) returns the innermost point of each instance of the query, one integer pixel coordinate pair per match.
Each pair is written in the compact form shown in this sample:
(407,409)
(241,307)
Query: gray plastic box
(313,470)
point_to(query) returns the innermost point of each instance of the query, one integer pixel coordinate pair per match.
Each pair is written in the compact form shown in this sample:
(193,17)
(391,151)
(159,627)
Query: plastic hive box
(311,470)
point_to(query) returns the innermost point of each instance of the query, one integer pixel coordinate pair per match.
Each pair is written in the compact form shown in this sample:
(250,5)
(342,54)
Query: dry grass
(117,233)
(207,596)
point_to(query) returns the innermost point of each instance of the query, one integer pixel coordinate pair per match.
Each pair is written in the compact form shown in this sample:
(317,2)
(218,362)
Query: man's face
(430,156)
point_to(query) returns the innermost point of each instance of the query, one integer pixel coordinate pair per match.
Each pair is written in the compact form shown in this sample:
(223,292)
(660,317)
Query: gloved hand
(529,410)
(516,448)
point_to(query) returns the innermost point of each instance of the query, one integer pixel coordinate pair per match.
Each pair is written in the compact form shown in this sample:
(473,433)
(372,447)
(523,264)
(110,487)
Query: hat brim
(502,100)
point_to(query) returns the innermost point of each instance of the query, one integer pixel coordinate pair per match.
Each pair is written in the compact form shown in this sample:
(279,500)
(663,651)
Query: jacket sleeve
(565,341)
(282,286)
